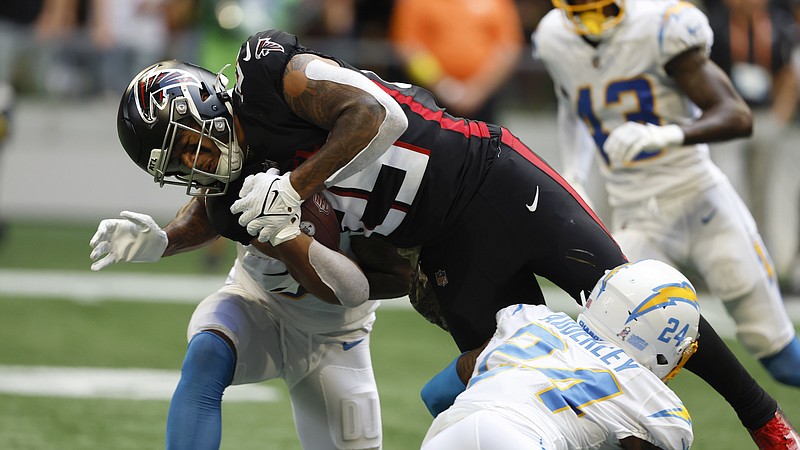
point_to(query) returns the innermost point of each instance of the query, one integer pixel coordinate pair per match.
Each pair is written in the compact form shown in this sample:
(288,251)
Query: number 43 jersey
(544,373)
(621,79)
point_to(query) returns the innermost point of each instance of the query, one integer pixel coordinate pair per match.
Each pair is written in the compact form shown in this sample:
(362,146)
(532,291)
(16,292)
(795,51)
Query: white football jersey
(623,79)
(268,280)
(572,391)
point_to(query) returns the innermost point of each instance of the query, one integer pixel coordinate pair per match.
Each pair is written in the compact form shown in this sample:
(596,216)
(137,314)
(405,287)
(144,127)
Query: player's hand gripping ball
(318,220)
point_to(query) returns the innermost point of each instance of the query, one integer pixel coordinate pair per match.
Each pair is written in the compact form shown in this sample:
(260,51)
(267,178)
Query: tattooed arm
(362,119)
(190,229)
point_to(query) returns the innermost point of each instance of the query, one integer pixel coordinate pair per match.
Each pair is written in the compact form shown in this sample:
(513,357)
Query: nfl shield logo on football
(321,203)
(441,278)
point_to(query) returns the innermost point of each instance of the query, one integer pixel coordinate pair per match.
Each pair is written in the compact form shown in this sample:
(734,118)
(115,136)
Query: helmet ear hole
(661,359)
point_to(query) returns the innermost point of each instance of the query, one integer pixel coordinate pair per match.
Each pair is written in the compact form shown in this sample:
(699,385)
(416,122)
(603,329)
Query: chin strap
(582,295)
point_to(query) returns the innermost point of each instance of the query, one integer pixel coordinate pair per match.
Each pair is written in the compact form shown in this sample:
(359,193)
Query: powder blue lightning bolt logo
(664,296)
(608,275)
(678,413)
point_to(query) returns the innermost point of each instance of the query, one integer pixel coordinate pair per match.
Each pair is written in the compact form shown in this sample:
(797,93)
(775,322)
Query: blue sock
(195,413)
(784,366)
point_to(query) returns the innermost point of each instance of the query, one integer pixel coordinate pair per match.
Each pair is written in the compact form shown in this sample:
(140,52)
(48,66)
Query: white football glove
(631,138)
(286,233)
(268,203)
(135,238)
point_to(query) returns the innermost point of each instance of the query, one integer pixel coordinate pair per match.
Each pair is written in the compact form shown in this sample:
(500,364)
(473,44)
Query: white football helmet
(594,18)
(648,309)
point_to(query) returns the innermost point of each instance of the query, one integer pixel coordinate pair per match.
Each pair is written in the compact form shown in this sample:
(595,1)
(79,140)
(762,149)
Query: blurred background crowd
(474,55)
(71,48)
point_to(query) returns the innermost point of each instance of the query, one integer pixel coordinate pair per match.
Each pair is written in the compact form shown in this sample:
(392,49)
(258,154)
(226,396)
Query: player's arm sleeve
(393,125)
(363,120)
(327,274)
(684,27)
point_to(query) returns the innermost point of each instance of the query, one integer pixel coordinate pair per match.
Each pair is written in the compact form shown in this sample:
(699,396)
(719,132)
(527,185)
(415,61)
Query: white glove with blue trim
(631,138)
(135,237)
(270,207)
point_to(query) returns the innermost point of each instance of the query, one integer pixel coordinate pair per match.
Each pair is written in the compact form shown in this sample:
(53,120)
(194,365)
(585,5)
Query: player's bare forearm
(352,116)
(725,114)
(190,229)
(466,363)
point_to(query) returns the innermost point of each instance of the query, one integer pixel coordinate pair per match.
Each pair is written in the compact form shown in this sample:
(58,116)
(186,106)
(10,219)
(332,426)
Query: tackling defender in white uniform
(275,330)
(321,351)
(545,381)
(634,83)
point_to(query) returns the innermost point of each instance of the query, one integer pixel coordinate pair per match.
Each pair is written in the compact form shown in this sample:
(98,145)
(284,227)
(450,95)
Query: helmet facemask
(168,169)
(593,20)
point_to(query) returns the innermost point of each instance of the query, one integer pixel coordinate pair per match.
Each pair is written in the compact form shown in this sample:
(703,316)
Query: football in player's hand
(318,220)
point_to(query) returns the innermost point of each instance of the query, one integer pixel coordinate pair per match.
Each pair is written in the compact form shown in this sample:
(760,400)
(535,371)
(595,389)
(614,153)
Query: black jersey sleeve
(218,209)
(226,224)
(260,66)
(272,130)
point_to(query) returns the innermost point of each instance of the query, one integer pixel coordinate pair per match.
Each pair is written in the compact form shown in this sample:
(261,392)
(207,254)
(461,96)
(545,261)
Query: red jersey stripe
(463,126)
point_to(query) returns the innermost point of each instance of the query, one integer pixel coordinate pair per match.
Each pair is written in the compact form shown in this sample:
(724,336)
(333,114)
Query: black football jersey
(412,191)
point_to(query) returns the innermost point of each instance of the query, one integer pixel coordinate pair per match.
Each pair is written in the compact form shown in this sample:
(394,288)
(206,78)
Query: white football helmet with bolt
(648,309)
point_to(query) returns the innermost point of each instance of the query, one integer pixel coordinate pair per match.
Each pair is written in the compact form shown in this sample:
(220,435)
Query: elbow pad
(340,274)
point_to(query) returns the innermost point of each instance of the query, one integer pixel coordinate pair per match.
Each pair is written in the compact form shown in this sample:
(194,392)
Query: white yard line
(107,383)
(170,288)
(91,286)
(136,287)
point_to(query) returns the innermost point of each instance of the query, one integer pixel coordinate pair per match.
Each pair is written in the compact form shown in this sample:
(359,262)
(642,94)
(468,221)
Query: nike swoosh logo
(535,204)
(348,345)
(274,193)
(707,218)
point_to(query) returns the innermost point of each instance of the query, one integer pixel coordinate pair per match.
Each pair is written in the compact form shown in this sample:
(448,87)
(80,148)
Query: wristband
(441,391)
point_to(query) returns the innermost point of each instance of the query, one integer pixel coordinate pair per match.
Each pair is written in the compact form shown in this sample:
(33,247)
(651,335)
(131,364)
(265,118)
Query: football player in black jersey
(486,213)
